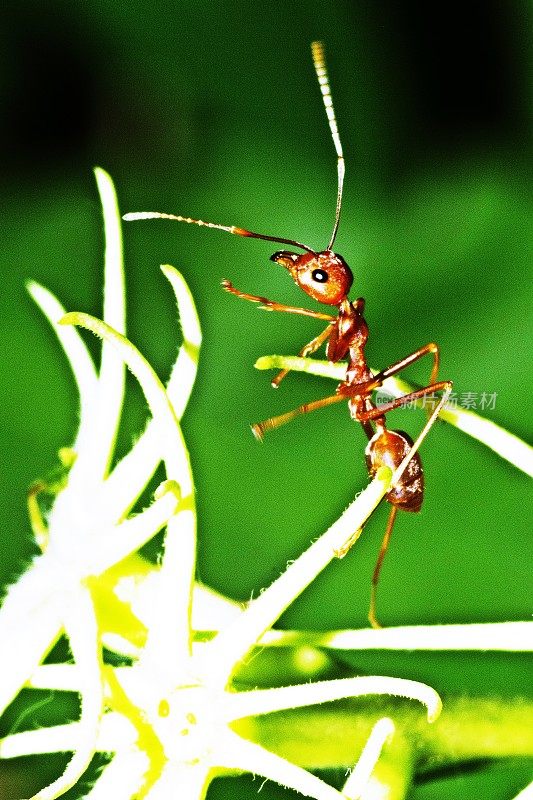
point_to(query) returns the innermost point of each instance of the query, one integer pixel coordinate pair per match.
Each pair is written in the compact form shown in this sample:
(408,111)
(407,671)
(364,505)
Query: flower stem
(467,729)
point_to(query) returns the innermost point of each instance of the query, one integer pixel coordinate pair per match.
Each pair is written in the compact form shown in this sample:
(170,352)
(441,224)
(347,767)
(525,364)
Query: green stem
(333,736)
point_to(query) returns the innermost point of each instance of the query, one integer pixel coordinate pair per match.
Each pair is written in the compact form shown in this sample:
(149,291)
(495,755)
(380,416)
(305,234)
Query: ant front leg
(273,305)
(310,347)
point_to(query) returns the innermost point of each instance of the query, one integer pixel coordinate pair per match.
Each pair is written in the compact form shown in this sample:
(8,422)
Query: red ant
(327,278)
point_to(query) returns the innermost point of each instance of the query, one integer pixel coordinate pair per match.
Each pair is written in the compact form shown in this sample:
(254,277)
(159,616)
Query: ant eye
(319,275)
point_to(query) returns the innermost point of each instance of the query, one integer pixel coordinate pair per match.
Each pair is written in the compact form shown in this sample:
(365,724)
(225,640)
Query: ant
(326,277)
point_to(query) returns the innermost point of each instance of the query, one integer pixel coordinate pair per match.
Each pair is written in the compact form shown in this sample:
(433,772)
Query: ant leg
(310,347)
(377,569)
(259,428)
(374,413)
(390,523)
(398,366)
(430,348)
(272,305)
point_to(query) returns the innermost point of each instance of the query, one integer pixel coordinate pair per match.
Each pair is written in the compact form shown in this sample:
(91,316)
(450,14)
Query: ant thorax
(349,338)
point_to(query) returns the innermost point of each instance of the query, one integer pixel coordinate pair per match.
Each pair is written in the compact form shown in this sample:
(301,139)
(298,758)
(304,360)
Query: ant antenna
(229,228)
(319,60)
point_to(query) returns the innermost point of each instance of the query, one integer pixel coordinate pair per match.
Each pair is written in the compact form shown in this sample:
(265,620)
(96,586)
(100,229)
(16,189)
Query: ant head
(324,276)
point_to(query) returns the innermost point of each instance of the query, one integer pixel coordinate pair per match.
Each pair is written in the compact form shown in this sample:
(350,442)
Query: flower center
(187,724)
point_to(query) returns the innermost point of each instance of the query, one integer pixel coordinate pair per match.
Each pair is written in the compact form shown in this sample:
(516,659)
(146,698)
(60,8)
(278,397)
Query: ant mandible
(326,277)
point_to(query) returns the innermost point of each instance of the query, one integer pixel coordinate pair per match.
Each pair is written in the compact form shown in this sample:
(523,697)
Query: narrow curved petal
(56,739)
(166,643)
(513,637)
(313,366)
(121,778)
(358,780)
(232,644)
(265,701)
(505,444)
(185,368)
(115,734)
(55,677)
(169,433)
(133,533)
(111,379)
(114,283)
(24,649)
(30,624)
(239,754)
(133,472)
(77,354)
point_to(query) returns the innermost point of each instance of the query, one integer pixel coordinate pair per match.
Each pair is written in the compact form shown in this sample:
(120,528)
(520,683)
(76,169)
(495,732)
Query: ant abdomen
(389,448)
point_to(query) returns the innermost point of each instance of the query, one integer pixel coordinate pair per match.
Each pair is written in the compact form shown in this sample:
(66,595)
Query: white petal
(240,754)
(111,379)
(513,637)
(167,643)
(115,733)
(55,677)
(30,624)
(131,475)
(232,644)
(113,546)
(77,354)
(56,739)
(358,780)
(264,701)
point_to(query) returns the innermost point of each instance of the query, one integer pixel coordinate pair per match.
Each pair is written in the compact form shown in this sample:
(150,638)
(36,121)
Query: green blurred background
(212,110)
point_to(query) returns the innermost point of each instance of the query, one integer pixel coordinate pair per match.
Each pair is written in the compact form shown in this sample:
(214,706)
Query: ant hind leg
(372,618)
